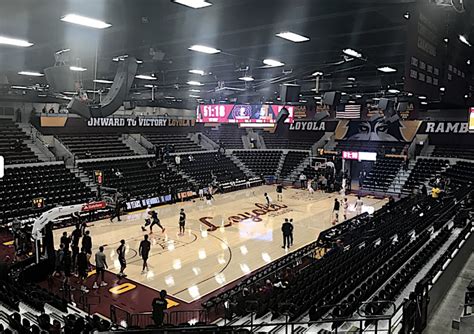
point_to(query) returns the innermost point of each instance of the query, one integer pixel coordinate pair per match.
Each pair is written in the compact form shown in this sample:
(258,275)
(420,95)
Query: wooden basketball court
(223,241)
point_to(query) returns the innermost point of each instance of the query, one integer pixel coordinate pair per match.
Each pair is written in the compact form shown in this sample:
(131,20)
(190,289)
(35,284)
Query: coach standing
(286,229)
(159,306)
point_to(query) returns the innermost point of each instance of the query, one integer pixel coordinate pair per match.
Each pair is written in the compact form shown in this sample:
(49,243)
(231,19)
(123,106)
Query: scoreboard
(241,113)
(471,119)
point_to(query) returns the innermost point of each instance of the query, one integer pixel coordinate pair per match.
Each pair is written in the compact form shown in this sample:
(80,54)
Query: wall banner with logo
(380,129)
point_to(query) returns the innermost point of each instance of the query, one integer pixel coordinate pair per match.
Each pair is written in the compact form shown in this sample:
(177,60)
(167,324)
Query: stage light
(406,15)
(273,63)
(358,96)
(421,97)
(464,40)
(424,103)
(14,42)
(196,4)
(85,21)
(351,79)
(194,83)
(317,74)
(77,68)
(446,40)
(293,37)
(31,74)
(247,78)
(145,77)
(393,91)
(200,72)
(102,81)
(204,49)
(352,53)
(386,69)
(442,89)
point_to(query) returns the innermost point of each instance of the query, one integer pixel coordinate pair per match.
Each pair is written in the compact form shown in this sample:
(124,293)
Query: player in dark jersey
(152,221)
(144,251)
(121,258)
(279,191)
(182,221)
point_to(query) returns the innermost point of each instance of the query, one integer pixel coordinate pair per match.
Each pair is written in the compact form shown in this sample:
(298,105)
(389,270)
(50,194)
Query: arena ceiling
(159,33)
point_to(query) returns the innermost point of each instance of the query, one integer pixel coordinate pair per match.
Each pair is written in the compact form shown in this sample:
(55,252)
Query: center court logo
(254,215)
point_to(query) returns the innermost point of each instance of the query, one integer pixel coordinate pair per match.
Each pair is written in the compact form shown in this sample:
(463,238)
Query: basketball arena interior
(237,166)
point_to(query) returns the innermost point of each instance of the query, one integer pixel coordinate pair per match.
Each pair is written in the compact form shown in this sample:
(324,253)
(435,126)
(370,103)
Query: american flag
(349,111)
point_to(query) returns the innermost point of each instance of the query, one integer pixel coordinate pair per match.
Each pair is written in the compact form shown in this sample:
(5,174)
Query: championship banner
(444,127)
(380,129)
(424,49)
(241,113)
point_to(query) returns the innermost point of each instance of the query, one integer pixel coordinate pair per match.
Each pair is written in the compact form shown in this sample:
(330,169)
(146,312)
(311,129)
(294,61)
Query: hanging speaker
(331,98)
(290,93)
(111,103)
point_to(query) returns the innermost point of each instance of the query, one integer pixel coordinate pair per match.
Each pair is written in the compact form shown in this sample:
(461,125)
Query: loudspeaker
(60,79)
(76,106)
(385,104)
(290,93)
(402,106)
(122,82)
(319,116)
(111,103)
(331,98)
(129,105)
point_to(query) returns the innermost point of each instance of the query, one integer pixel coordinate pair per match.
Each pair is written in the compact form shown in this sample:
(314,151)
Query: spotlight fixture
(273,63)
(194,83)
(145,77)
(442,89)
(85,21)
(247,78)
(31,74)
(103,81)
(464,40)
(196,4)
(386,69)
(200,72)
(293,37)
(352,53)
(77,68)
(14,42)
(204,49)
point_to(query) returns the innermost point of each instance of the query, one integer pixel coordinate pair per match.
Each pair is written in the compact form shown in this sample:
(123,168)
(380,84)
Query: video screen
(241,113)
